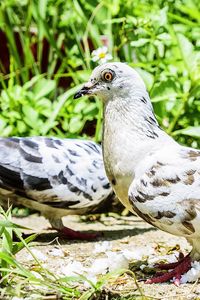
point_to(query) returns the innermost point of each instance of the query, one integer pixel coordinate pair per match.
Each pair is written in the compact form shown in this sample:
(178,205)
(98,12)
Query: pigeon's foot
(77,235)
(171,266)
(176,270)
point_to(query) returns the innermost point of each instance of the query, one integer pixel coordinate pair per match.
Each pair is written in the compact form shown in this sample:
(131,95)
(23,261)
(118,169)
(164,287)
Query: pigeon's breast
(119,174)
(121,187)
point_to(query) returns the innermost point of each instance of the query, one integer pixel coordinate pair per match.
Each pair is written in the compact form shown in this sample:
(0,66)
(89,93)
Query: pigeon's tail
(10,178)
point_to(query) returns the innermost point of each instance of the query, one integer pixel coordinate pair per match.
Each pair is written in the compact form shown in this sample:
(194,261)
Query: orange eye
(107,76)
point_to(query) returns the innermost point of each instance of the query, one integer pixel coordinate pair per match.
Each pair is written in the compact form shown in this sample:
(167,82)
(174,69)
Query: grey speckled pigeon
(54,176)
(151,174)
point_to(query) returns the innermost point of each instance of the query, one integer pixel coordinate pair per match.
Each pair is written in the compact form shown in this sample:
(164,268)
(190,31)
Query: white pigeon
(151,174)
(55,176)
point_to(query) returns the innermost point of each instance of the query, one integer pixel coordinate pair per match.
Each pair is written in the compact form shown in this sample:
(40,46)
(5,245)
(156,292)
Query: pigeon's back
(63,173)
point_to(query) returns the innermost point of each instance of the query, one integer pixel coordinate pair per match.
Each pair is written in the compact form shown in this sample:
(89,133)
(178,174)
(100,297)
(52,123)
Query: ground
(124,233)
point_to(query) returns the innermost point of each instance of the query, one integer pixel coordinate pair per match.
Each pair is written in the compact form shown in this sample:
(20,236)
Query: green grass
(33,280)
(15,278)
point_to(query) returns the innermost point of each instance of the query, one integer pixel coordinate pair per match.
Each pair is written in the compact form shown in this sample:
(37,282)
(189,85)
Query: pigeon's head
(112,79)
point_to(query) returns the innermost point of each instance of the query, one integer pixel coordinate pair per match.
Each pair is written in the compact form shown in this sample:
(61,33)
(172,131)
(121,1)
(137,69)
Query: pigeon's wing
(76,173)
(61,173)
(166,191)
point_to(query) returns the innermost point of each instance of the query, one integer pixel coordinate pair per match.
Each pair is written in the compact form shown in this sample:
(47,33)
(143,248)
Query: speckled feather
(55,176)
(165,191)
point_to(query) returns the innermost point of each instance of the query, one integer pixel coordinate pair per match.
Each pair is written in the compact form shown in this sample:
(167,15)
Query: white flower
(101,55)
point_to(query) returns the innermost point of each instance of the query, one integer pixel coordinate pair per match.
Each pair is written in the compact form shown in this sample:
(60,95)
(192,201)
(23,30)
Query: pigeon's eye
(107,76)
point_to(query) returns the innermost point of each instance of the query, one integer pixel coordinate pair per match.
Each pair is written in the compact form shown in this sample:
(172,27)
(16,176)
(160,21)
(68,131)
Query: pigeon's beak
(86,89)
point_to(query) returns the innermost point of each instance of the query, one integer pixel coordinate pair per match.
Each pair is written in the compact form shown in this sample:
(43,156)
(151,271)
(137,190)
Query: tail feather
(10,179)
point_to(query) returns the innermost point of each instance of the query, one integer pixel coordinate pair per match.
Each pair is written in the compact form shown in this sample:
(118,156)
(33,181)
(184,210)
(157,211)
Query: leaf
(190,131)
(82,75)
(8,224)
(20,245)
(33,81)
(191,11)
(160,46)
(139,43)
(7,240)
(191,58)
(114,20)
(12,262)
(164,36)
(7,131)
(31,116)
(90,110)
(76,124)
(43,87)
(164,91)
(60,102)
(80,106)
(186,46)
(2,123)
(147,77)
(21,126)
(42,7)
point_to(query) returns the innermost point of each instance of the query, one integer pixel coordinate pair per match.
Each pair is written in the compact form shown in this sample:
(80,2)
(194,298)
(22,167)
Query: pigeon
(151,174)
(55,176)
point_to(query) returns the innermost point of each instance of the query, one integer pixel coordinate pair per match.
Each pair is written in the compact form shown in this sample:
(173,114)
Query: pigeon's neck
(130,131)
(134,116)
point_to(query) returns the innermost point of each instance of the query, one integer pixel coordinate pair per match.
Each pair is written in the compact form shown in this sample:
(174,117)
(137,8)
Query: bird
(151,174)
(55,176)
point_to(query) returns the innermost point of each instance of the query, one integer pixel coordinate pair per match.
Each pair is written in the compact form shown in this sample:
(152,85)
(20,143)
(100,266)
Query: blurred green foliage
(50,44)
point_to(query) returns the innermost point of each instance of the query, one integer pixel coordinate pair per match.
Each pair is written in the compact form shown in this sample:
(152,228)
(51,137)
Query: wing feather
(166,191)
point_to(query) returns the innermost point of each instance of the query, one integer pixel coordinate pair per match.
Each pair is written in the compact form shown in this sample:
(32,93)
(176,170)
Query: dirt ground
(124,233)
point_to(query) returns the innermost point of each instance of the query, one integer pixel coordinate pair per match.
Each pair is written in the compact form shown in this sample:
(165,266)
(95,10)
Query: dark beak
(84,91)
